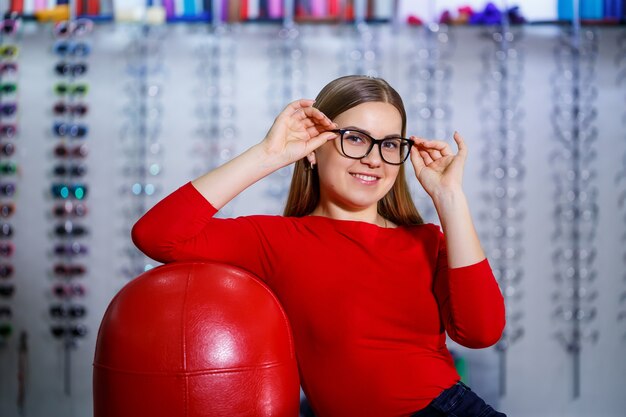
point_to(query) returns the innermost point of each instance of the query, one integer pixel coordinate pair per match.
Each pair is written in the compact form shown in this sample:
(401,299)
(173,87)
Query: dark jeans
(458,401)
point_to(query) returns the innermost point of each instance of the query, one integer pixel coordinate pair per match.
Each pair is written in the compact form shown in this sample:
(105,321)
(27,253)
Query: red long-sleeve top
(368,306)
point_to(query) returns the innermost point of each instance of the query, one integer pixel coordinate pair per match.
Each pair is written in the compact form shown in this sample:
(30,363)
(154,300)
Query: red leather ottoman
(191,340)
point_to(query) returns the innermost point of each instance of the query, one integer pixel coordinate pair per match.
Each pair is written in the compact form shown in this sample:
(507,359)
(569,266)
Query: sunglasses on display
(153,169)
(143,70)
(7,189)
(8,130)
(8,88)
(63,89)
(6,249)
(7,149)
(71,311)
(78,330)
(65,191)
(147,131)
(68,290)
(8,168)
(147,189)
(69,209)
(6,330)
(74,170)
(9,26)
(67,129)
(70,249)
(70,229)
(6,230)
(70,48)
(141,90)
(61,108)
(65,68)
(78,27)
(7,209)
(7,290)
(8,68)
(69,270)
(6,271)
(8,109)
(63,151)
(8,51)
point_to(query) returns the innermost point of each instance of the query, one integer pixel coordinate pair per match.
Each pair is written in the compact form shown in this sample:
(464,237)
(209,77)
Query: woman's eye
(355,139)
(391,144)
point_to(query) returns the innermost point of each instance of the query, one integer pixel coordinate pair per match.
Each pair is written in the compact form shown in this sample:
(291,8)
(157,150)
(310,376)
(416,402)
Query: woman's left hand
(436,167)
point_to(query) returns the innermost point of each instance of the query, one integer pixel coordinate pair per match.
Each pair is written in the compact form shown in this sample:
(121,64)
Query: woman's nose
(373,158)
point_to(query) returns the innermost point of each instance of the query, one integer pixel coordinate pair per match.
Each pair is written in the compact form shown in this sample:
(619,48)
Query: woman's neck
(369,215)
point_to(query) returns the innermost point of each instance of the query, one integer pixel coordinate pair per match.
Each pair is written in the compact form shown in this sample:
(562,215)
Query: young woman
(370,291)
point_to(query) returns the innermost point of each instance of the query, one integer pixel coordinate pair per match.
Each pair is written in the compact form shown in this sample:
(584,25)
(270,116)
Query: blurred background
(106,107)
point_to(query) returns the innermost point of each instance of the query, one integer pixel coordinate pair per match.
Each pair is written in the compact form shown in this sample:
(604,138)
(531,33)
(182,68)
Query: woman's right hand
(297,131)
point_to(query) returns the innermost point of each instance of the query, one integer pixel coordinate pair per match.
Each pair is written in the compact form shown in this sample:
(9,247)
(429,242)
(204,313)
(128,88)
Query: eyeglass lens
(357,145)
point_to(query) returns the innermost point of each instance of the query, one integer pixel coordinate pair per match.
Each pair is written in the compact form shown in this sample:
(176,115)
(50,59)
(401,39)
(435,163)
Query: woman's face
(358,184)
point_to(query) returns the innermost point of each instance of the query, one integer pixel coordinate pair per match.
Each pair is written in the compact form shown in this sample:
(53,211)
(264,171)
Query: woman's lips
(365,178)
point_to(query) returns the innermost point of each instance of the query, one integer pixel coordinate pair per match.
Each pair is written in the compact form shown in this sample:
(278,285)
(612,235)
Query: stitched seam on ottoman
(184,341)
(194,373)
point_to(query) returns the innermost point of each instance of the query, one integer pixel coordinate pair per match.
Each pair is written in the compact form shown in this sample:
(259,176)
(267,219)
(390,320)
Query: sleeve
(470,302)
(181,227)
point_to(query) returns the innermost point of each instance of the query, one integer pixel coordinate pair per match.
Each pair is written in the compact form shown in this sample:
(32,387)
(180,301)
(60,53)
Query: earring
(311,166)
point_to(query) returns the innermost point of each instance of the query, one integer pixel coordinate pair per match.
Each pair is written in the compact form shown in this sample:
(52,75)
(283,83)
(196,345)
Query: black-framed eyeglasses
(72,331)
(69,271)
(355,144)
(68,311)
(70,209)
(72,170)
(6,270)
(73,69)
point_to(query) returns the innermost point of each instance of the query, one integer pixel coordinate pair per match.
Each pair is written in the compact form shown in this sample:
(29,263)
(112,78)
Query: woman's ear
(311,158)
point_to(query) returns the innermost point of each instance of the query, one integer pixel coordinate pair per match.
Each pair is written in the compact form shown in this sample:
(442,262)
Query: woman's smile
(367,179)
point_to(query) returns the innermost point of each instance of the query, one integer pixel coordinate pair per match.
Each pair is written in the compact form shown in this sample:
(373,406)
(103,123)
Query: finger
(313,128)
(319,140)
(308,122)
(441,146)
(316,130)
(299,104)
(417,161)
(460,143)
(433,154)
(425,156)
(317,115)
(294,109)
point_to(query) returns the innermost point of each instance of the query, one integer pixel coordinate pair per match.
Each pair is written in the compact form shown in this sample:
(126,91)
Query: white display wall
(257,78)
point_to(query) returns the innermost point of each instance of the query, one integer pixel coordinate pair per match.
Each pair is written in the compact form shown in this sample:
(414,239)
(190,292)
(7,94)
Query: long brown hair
(335,98)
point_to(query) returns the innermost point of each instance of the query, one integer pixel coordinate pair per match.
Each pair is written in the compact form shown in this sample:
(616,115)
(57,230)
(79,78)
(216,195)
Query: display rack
(593,12)
(575,196)
(140,137)
(9,50)
(216,111)
(69,190)
(503,174)
(287,82)
(620,180)
(429,76)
